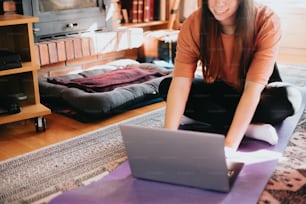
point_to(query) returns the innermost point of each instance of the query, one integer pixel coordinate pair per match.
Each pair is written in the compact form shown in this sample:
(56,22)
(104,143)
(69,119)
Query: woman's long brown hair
(212,52)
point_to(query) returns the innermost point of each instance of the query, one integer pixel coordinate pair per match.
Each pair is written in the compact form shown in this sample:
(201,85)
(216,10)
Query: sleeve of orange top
(188,46)
(266,45)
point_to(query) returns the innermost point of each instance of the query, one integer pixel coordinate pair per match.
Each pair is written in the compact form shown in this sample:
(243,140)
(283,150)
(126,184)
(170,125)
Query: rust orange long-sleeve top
(267,27)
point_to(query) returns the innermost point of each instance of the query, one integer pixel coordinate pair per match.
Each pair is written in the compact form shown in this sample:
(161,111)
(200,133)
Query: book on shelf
(134,11)
(139,11)
(146,10)
(151,10)
(156,10)
(163,10)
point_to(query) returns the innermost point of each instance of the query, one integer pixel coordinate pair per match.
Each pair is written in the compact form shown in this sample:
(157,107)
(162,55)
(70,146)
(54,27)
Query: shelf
(14,19)
(26,67)
(27,112)
(152,25)
(17,31)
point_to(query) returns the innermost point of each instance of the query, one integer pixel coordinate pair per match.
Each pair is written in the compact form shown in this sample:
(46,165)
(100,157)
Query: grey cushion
(105,102)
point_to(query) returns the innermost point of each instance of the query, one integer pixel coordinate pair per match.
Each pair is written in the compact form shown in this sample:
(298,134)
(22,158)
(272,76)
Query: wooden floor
(20,137)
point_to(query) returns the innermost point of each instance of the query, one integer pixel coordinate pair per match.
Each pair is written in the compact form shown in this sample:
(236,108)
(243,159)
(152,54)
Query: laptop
(181,157)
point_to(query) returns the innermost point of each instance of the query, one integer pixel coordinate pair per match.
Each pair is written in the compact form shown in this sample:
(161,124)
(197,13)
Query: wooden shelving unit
(148,26)
(16,35)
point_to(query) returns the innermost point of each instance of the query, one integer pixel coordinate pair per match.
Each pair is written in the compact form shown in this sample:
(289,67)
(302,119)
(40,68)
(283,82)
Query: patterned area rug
(288,182)
(39,176)
(45,173)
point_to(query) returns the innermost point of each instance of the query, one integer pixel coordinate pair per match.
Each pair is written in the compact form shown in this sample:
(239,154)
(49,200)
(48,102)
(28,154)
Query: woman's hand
(229,151)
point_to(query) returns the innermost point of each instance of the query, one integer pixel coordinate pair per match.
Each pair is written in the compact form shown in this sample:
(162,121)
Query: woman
(236,42)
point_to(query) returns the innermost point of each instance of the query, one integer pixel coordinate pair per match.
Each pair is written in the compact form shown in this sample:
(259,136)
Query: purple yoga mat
(120,187)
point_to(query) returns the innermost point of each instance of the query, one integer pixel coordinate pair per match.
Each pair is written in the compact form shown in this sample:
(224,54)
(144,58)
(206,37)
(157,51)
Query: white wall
(293,20)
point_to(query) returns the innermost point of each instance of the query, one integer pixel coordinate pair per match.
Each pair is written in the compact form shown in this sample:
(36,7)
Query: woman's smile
(220,11)
(224,11)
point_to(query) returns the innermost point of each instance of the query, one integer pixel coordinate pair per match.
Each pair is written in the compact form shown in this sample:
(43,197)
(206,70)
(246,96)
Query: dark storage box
(9,60)
(160,44)
(165,50)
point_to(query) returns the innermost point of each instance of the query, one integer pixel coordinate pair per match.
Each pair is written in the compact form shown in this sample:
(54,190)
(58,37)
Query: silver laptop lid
(181,157)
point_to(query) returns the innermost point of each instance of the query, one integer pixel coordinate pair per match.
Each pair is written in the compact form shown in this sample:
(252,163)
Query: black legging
(216,103)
